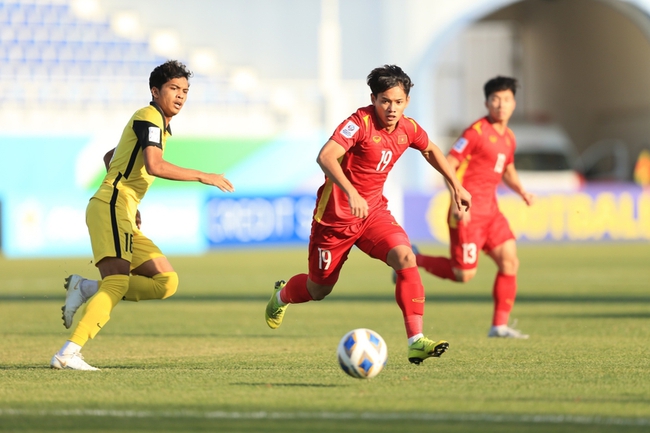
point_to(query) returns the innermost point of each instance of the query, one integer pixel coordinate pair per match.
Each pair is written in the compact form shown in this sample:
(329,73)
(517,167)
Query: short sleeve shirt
(370,155)
(483,154)
(127,175)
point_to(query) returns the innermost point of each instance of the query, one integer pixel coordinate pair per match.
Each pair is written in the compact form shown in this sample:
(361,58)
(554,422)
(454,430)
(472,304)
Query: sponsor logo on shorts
(418,300)
(349,129)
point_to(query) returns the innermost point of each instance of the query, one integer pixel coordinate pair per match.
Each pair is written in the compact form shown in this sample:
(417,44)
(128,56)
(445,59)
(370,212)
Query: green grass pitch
(205,360)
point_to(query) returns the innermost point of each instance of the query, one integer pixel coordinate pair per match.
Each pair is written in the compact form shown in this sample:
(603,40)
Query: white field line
(368,416)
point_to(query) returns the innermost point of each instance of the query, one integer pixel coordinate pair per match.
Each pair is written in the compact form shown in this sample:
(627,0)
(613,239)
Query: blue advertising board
(258,220)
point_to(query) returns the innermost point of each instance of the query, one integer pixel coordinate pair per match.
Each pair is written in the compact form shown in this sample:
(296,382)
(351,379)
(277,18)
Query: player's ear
(372,99)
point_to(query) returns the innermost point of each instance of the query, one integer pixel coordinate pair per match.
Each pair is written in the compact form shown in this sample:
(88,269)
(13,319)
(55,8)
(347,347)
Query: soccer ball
(362,353)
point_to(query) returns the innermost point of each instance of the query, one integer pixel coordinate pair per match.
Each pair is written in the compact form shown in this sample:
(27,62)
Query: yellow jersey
(127,177)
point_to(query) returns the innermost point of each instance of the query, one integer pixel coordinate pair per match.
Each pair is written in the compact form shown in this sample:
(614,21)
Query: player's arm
(157,166)
(328,160)
(437,160)
(511,179)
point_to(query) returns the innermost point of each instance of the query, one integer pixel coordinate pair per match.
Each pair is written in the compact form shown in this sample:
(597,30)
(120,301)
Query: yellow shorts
(113,233)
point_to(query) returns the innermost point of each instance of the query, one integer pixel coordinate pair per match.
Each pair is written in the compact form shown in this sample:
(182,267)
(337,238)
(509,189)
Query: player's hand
(461,214)
(219,181)
(528,197)
(358,205)
(138,219)
(462,198)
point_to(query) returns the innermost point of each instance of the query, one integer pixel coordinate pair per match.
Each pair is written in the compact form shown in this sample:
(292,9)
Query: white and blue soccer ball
(362,353)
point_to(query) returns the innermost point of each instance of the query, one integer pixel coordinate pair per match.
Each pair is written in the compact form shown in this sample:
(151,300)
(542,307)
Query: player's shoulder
(478,127)
(410,125)
(151,113)
(364,116)
(356,124)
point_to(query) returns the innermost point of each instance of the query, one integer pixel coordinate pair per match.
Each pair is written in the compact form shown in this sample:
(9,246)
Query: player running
(482,157)
(351,209)
(131,266)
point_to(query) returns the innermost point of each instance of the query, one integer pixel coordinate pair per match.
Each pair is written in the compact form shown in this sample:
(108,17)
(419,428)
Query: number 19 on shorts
(324,259)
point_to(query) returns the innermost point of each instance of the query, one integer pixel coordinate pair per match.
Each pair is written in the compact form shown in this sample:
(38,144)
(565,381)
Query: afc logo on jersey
(460,145)
(349,129)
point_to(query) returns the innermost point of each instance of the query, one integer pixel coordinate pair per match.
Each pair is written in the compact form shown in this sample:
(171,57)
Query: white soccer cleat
(73,361)
(504,331)
(73,299)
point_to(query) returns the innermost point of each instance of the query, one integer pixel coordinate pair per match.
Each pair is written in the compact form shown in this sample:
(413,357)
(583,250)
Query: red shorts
(329,246)
(466,240)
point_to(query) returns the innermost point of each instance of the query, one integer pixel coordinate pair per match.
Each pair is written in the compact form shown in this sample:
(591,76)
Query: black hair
(498,84)
(386,77)
(168,71)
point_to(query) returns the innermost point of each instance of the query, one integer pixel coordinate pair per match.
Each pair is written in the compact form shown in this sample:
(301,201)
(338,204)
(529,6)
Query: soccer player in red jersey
(352,210)
(482,157)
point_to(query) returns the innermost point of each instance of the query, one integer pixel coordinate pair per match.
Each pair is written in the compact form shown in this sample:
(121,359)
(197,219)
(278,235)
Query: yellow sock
(160,286)
(99,307)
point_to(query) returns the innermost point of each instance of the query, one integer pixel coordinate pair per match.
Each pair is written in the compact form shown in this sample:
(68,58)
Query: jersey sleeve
(349,132)
(419,139)
(513,141)
(147,133)
(465,144)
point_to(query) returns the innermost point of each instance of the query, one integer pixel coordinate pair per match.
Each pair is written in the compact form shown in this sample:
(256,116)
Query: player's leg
(464,244)
(385,240)
(152,276)
(328,250)
(502,248)
(111,232)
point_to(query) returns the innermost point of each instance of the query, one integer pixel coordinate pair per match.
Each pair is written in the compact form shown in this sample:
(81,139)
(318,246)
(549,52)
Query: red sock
(295,292)
(504,292)
(409,294)
(438,266)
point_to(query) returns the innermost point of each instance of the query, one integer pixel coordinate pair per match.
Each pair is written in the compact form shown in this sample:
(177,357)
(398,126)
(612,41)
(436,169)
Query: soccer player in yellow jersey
(131,266)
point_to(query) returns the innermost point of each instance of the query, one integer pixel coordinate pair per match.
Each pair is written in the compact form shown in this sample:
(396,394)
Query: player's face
(501,105)
(171,97)
(390,106)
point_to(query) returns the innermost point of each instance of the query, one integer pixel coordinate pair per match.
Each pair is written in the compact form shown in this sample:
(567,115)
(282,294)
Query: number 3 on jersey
(386,156)
(469,253)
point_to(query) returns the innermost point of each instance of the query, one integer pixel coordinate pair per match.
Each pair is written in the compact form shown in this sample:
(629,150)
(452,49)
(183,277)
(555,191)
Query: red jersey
(483,154)
(370,154)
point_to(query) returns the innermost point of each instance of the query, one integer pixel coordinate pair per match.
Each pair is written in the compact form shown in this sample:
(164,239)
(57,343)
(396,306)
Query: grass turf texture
(205,360)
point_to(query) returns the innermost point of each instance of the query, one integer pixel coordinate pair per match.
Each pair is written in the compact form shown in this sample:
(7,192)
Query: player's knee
(318,293)
(509,266)
(167,282)
(401,257)
(464,275)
